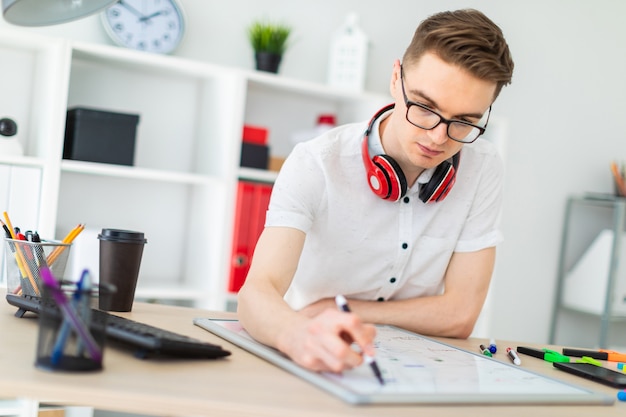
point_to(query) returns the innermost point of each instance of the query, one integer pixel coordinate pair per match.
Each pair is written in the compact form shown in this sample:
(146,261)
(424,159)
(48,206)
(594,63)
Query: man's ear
(394,84)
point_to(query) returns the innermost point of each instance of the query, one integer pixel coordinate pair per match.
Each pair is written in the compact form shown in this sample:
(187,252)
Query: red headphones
(386,179)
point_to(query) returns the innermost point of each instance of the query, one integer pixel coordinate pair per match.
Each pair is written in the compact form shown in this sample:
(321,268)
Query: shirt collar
(376,148)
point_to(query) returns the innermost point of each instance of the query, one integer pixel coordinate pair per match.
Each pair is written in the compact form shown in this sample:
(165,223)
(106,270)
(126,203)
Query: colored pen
(69,312)
(84,308)
(492,346)
(602,354)
(41,259)
(7,232)
(545,354)
(61,341)
(342,303)
(591,361)
(21,261)
(485,351)
(512,354)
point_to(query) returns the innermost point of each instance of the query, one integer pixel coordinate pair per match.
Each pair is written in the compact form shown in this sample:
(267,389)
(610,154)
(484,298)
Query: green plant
(268,37)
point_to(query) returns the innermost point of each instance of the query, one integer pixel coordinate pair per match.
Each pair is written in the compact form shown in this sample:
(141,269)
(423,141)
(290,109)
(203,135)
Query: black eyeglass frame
(408,103)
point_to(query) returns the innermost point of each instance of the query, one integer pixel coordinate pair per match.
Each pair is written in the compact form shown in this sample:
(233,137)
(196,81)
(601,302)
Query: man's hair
(466,38)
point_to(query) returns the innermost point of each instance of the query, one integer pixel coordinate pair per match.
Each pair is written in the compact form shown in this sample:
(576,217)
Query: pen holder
(24,259)
(71,332)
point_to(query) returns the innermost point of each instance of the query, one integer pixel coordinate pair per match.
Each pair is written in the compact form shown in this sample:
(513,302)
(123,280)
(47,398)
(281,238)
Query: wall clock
(147,25)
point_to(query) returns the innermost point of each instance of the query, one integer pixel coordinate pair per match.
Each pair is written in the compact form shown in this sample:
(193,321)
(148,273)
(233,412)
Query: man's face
(446,89)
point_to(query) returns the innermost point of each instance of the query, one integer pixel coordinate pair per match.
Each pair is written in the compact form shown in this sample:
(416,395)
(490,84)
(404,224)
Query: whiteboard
(421,370)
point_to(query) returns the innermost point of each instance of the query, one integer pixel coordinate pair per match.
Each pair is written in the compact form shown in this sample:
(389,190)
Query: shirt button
(380,299)
(405,245)
(392,280)
(406,199)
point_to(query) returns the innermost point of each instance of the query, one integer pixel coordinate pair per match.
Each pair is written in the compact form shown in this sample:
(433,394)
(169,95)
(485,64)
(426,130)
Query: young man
(399,215)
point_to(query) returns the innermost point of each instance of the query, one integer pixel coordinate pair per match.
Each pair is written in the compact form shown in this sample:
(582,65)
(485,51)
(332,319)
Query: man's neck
(410,172)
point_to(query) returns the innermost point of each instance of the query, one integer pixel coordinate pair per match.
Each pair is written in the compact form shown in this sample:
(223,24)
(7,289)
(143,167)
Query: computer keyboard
(147,340)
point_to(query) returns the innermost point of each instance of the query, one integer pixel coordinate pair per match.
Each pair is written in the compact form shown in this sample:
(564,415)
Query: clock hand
(132,9)
(155,14)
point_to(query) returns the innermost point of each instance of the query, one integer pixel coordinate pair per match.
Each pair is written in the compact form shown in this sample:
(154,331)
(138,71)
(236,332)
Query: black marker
(342,303)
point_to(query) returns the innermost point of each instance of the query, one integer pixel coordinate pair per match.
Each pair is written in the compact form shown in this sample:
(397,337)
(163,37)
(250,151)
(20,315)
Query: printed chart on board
(413,364)
(417,369)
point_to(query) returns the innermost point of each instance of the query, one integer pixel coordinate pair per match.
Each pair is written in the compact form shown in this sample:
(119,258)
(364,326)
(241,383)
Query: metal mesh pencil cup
(24,259)
(71,336)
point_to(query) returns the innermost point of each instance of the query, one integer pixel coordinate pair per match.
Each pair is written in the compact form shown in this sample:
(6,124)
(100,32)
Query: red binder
(252,201)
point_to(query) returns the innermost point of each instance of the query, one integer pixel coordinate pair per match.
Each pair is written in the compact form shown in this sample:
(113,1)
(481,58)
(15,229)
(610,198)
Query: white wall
(564,109)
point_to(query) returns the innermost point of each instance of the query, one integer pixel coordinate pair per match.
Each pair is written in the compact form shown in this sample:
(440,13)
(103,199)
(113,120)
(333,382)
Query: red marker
(512,354)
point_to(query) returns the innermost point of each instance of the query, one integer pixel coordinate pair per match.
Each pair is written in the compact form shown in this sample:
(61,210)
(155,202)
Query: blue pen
(64,332)
(70,313)
(84,303)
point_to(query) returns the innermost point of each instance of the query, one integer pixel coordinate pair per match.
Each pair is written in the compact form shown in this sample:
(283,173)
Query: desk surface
(240,385)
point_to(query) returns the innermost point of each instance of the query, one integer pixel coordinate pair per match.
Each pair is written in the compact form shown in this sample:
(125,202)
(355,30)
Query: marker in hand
(342,304)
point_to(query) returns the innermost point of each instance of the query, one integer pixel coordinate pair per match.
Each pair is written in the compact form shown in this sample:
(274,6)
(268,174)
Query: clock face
(146,25)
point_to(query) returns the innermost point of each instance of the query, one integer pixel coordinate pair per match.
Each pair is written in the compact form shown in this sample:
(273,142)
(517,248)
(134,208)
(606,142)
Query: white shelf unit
(35,74)
(181,190)
(590,278)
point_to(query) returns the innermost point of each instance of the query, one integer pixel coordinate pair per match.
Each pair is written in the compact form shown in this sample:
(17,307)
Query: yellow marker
(587,359)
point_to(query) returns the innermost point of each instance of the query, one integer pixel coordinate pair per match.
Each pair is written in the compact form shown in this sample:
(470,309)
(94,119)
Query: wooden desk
(240,385)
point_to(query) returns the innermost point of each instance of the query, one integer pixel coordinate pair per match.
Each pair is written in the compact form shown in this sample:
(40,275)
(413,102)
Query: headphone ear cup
(440,184)
(378,180)
(396,181)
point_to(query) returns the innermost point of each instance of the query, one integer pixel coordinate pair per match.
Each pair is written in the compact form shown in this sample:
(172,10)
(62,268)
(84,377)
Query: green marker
(485,351)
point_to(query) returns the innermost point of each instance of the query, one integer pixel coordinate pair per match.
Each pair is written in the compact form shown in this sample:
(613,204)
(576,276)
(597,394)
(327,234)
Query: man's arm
(320,343)
(451,314)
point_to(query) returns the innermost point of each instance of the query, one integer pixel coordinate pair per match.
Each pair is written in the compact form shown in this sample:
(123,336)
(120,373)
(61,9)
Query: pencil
(68,239)
(619,180)
(73,233)
(21,261)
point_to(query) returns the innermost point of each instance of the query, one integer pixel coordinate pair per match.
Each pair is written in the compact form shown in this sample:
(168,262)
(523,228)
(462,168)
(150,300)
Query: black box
(254,155)
(100,136)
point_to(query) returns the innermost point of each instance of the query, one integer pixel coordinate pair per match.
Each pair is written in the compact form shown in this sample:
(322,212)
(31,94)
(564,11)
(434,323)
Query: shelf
(120,171)
(253,174)
(26,161)
(575,309)
(261,79)
(127,59)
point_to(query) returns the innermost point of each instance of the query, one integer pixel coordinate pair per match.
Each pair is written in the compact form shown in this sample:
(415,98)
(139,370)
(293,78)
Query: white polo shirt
(364,247)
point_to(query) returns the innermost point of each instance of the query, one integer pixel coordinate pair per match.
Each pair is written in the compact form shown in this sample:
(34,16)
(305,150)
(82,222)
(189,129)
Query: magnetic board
(421,370)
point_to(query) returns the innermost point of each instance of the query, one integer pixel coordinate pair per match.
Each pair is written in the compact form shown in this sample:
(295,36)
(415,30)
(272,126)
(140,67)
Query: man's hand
(324,342)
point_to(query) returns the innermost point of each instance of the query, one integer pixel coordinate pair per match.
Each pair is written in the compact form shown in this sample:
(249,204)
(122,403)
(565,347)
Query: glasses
(423,117)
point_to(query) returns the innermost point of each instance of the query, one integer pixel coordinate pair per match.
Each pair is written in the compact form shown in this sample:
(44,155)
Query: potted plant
(269,41)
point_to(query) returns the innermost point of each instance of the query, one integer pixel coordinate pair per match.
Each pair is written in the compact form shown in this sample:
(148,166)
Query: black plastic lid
(118,235)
